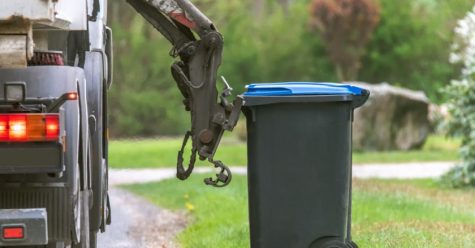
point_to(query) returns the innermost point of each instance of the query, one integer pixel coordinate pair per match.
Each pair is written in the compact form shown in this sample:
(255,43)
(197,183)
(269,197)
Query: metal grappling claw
(198,46)
(223,178)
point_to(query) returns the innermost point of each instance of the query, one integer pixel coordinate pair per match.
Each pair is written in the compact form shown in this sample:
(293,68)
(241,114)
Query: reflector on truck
(13,232)
(23,227)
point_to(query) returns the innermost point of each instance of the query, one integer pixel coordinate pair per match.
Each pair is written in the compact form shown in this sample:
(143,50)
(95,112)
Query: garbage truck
(55,73)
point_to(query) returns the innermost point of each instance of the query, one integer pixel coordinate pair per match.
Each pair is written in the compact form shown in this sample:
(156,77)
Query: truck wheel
(352,244)
(58,244)
(330,242)
(84,206)
(93,239)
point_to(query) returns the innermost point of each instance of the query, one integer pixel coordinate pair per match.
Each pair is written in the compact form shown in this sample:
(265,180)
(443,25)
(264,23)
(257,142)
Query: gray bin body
(299,170)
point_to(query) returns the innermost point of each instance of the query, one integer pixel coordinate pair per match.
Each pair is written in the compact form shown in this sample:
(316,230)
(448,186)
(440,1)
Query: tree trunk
(285,5)
(259,7)
(347,72)
(339,73)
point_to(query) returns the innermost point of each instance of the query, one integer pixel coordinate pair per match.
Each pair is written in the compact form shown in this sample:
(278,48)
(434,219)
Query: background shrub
(270,41)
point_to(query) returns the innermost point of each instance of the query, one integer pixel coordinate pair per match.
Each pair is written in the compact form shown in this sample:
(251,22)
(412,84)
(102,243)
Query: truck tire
(85,234)
(84,207)
(92,239)
(58,244)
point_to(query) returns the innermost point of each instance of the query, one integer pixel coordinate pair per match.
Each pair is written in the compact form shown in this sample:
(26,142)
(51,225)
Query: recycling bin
(299,163)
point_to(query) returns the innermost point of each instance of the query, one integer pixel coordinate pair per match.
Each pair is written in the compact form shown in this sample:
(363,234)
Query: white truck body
(19,19)
(62,14)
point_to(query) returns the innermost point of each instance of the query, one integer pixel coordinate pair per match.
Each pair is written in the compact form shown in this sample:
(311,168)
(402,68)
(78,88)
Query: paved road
(403,171)
(137,223)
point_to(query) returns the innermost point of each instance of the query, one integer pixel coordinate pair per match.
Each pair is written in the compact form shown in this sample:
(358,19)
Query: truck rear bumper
(20,227)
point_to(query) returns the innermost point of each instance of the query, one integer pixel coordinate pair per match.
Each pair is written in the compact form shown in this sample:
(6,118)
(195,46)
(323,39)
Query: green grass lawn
(155,153)
(436,148)
(385,213)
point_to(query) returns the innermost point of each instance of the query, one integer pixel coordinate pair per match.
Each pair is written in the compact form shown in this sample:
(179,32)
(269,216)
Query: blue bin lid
(302,88)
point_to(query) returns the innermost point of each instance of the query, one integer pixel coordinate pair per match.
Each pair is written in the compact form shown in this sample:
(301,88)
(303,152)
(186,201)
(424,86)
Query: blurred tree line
(272,41)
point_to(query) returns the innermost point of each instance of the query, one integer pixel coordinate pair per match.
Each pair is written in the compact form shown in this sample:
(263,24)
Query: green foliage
(411,46)
(144,97)
(462,124)
(461,95)
(277,48)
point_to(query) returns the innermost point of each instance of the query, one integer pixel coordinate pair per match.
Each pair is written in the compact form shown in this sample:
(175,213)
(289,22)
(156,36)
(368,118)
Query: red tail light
(52,127)
(29,127)
(17,127)
(3,127)
(13,233)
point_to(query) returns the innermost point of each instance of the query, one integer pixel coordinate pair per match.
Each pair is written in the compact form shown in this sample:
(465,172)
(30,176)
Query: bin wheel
(352,244)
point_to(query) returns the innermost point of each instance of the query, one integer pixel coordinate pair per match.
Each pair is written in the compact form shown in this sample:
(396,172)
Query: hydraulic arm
(198,46)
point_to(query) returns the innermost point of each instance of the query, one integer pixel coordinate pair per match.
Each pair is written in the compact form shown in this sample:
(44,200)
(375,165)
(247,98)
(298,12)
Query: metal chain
(223,178)
(181,173)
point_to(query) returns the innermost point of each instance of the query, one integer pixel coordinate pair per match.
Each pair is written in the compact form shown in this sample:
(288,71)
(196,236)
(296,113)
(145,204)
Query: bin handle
(359,100)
